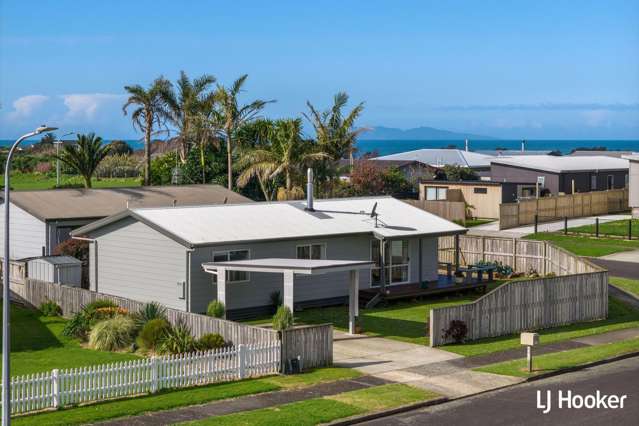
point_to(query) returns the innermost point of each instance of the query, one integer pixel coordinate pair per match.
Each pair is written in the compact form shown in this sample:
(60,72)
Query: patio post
(456,252)
(353,300)
(289,279)
(382,264)
(221,287)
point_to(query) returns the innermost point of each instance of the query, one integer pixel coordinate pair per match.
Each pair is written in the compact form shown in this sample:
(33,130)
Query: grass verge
(180,398)
(586,246)
(562,360)
(616,227)
(620,316)
(33,181)
(631,286)
(323,410)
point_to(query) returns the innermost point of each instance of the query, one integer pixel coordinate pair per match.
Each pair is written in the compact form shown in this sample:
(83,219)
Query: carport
(289,268)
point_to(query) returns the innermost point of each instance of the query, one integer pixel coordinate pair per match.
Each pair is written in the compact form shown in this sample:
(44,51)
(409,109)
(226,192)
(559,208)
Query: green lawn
(37,344)
(631,286)
(179,398)
(469,223)
(586,246)
(323,410)
(620,316)
(617,227)
(561,360)
(403,321)
(30,181)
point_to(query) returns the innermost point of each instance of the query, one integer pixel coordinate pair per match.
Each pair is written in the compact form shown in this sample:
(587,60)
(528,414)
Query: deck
(444,284)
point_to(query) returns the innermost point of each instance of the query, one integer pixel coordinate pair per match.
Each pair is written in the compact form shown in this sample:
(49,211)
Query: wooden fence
(313,344)
(60,388)
(554,208)
(450,210)
(72,299)
(578,292)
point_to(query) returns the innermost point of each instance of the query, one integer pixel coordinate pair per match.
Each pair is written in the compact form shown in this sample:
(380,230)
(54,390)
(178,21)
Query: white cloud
(85,106)
(23,107)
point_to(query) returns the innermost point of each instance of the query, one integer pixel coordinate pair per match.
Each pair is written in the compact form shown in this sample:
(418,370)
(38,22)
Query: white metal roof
(442,157)
(217,224)
(57,260)
(561,164)
(299,266)
(631,157)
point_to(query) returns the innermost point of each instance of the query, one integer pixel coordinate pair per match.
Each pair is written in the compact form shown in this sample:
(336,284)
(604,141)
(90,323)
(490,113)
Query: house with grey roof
(562,174)
(40,220)
(633,183)
(159,254)
(438,158)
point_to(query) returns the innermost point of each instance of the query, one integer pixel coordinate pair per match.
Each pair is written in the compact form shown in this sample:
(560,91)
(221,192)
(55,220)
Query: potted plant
(459,277)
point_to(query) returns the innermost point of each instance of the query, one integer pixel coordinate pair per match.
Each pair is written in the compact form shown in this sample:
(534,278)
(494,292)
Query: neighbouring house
(562,174)
(156,254)
(481,197)
(438,158)
(591,153)
(633,184)
(40,220)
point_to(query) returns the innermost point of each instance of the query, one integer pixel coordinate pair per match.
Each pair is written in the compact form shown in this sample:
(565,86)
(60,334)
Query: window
(436,193)
(611,182)
(480,190)
(225,256)
(593,182)
(311,251)
(396,262)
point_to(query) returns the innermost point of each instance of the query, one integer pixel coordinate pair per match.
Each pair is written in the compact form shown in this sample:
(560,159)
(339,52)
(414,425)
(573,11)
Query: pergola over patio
(289,268)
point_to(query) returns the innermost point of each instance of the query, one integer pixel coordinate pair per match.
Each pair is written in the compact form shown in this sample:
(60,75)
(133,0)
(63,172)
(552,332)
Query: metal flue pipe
(309,190)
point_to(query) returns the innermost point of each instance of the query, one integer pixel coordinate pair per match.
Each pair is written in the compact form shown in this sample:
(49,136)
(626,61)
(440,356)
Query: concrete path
(245,403)
(624,256)
(492,229)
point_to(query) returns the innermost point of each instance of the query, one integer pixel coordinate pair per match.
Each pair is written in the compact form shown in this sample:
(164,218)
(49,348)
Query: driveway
(492,229)
(417,365)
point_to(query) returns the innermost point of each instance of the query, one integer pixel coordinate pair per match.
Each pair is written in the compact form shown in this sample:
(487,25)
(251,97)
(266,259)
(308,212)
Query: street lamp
(57,143)
(6,376)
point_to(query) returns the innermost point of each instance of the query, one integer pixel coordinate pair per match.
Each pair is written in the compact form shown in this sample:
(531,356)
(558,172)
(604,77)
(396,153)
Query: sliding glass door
(396,262)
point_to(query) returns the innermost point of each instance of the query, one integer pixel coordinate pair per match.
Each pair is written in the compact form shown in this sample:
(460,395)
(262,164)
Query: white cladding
(559,164)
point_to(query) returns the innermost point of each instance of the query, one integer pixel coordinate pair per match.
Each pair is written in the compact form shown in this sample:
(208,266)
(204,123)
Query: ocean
(386,147)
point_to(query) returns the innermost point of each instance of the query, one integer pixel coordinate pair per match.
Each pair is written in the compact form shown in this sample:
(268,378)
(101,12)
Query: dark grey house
(40,220)
(563,174)
(157,254)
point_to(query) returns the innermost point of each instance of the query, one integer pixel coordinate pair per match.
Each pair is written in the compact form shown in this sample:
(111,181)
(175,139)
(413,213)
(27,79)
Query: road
(617,268)
(517,405)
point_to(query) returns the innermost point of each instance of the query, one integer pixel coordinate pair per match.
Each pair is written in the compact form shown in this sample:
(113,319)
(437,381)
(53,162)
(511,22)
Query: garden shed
(56,269)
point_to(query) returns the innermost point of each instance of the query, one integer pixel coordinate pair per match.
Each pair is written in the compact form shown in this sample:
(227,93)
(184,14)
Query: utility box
(529,339)
(65,270)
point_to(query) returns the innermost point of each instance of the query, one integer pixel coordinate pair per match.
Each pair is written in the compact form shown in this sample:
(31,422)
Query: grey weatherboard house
(40,220)
(156,254)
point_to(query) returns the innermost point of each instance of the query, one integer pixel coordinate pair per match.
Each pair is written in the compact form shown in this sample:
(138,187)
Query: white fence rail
(59,388)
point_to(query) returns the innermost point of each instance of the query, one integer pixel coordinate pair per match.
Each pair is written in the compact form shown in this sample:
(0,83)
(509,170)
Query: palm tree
(234,116)
(285,157)
(335,133)
(150,111)
(85,156)
(185,105)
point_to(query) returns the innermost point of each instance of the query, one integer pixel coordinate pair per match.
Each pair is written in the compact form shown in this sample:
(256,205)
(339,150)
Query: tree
(335,132)
(48,139)
(369,178)
(185,107)
(85,156)
(456,173)
(285,158)
(150,111)
(119,147)
(234,116)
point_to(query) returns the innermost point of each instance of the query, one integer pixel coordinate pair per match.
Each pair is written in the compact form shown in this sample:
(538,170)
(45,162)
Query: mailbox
(529,339)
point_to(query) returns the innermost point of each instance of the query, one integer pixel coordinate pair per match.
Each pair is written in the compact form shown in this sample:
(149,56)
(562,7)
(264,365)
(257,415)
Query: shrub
(148,312)
(50,309)
(99,303)
(78,326)
(283,318)
(210,341)
(153,332)
(457,330)
(215,309)
(276,299)
(112,334)
(178,340)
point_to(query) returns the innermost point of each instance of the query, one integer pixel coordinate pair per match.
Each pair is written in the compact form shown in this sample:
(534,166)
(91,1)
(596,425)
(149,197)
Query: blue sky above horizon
(519,69)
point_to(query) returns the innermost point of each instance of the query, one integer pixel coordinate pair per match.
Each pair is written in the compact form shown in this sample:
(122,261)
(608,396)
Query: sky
(509,69)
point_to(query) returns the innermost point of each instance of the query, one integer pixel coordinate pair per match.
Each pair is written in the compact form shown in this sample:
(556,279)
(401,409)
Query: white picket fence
(59,388)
